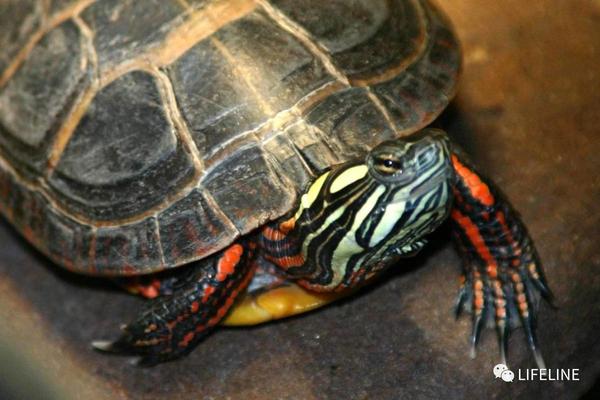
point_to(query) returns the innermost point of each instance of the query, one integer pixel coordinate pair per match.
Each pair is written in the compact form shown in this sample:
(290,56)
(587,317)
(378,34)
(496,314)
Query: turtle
(239,161)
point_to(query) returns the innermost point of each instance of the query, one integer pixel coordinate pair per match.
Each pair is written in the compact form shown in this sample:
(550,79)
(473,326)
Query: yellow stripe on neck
(348,177)
(311,194)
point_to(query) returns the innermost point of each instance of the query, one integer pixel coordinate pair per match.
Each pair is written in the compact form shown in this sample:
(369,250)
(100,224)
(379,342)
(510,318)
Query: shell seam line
(242,75)
(382,109)
(68,126)
(51,23)
(185,5)
(282,119)
(305,38)
(88,36)
(303,160)
(404,65)
(200,24)
(159,242)
(322,54)
(174,114)
(215,207)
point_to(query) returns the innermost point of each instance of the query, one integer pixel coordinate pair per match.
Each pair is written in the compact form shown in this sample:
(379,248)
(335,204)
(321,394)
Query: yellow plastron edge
(277,303)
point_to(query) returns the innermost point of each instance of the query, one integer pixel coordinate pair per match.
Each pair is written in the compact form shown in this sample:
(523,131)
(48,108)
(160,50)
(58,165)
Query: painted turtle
(259,144)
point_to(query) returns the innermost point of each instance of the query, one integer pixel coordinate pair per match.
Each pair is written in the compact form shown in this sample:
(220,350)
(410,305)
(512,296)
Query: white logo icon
(502,371)
(499,369)
(508,376)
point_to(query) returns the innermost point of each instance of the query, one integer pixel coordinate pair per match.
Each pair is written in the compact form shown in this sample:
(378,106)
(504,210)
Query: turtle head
(358,218)
(413,174)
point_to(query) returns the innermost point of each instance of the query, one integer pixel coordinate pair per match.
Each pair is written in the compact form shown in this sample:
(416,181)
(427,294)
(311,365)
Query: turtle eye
(388,165)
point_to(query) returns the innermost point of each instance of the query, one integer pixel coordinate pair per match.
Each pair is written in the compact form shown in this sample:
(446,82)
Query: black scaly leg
(163,283)
(173,325)
(502,272)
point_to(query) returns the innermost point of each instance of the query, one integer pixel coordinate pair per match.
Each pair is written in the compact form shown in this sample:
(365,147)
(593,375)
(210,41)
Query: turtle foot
(507,297)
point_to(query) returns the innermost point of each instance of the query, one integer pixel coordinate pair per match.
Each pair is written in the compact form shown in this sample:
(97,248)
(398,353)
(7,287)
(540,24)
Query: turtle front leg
(502,272)
(173,325)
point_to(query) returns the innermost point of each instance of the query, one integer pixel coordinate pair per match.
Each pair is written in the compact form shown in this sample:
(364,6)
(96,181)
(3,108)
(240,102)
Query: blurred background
(527,110)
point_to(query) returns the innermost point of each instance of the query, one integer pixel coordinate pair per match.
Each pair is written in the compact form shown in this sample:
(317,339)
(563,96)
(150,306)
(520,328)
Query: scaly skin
(173,325)
(502,271)
(352,223)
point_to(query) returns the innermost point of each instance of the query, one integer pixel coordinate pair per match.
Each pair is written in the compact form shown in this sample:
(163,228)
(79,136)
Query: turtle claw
(136,361)
(532,341)
(528,321)
(545,291)
(461,298)
(539,360)
(120,346)
(476,332)
(103,345)
(148,346)
(503,334)
(474,341)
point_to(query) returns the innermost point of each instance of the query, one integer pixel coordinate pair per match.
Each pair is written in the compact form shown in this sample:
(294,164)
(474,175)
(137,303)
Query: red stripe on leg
(474,236)
(222,311)
(227,263)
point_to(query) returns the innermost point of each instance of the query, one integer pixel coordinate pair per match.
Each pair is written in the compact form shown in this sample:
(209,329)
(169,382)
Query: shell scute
(248,188)
(192,227)
(112,248)
(124,156)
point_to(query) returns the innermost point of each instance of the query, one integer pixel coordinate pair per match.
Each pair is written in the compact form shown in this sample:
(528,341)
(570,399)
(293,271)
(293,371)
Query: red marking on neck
(287,261)
(287,225)
(273,235)
(479,190)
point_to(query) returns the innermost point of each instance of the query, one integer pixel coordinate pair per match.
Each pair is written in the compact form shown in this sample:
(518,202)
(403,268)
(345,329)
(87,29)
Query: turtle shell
(138,136)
